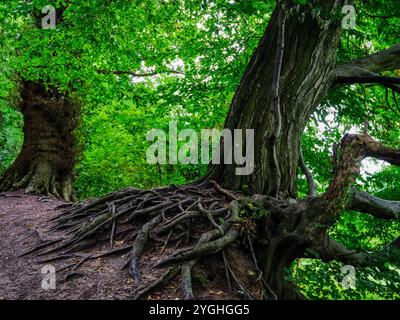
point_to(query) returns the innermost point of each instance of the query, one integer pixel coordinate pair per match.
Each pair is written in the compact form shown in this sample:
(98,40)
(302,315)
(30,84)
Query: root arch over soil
(193,221)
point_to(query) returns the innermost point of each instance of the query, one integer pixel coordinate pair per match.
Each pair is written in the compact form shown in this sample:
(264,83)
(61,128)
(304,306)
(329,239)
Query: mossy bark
(45,162)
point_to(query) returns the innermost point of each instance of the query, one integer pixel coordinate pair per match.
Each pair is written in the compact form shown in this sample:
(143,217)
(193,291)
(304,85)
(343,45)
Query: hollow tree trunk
(45,162)
(310,46)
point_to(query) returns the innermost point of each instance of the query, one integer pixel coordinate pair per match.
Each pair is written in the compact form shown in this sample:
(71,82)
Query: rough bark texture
(310,48)
(45,163)
(309,55)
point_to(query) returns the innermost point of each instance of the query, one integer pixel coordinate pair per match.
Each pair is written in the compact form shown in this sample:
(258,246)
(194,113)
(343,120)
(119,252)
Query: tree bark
(309,57)
(45,163)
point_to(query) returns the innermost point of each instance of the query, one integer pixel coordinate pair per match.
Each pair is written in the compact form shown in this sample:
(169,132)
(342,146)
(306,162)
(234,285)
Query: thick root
(163,280)
(201,250)
(189,222)
(145,216)
(139,244)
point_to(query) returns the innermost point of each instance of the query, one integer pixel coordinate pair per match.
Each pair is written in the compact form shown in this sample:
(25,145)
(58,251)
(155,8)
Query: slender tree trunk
(310,45)
(46,160)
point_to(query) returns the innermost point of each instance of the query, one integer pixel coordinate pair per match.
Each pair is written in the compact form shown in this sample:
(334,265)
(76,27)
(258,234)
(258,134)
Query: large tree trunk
(46,160)
(309,54)
(310,45)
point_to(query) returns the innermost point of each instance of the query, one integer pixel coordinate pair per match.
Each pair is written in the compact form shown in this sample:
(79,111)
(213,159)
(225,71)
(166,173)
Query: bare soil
(24,223)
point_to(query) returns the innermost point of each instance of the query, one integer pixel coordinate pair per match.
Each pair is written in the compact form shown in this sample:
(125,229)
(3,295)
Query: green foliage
(10,119)
(251,210)
(10,136)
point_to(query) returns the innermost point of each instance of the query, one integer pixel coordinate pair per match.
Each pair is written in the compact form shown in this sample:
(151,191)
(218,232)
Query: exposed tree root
(201,250)
(192,222)
(242,289)
(139,244)
(186,282)
(164,279)
(189,223)
(144,217)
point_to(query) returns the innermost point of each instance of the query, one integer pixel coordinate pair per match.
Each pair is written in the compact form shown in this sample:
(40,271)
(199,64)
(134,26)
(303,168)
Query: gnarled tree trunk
(46,160)
(309,52)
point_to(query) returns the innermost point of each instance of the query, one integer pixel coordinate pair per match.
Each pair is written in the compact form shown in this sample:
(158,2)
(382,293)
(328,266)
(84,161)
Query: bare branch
(312,190)
(329,249)
(368,79)
(376,150)
(375,206)
(367,69)
(386,60)
(390,82)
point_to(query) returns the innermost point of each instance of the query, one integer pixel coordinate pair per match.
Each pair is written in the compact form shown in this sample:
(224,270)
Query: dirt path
(24,223)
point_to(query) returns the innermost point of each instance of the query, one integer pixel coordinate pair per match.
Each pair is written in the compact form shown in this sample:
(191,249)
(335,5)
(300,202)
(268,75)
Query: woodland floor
(24,223)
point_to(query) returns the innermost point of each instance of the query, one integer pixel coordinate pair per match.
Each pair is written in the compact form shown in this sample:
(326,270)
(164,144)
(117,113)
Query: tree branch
(368,79)
(329,249)
(367,69)
(132,73)
(312,189)
(385,60)
(340,195)
(390,82)
(364,202)
(353,149)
